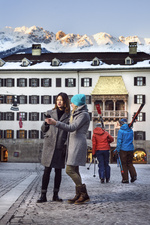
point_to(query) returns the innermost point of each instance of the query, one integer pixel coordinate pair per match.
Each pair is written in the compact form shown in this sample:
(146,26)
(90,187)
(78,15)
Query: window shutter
(30,82)
(144,81)
(37,134)
(135,134)
(143,99)
(18,82)
(42,97)
(135,81)
(25,116)
(17,133)
(82,82)
(49,99)
(74,82)
(29,99)
(29,116)
(135,99)
(37,99)
(5,115)
(25,82)
(13,82)
(37,116)
(42,82)
(5,81)
(17,116)
(50,82)
(37,82)
(29,133)
(12,116)
(4,133)
(143,117)
(90,82)
(89,99)
(25,134)
(66,82)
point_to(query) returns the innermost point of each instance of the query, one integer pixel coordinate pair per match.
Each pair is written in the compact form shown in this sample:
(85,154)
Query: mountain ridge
(13,40)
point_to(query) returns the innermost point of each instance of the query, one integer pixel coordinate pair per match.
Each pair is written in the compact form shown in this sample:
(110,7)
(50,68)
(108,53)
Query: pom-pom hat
(78,99)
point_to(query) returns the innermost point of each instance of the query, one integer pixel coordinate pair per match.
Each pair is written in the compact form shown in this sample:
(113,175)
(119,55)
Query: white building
(119,82)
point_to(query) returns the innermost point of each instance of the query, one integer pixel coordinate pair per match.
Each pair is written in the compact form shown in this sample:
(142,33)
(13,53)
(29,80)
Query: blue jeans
(103,159)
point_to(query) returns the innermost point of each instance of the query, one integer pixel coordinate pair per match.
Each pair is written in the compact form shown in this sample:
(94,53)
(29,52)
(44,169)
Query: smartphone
(47,116)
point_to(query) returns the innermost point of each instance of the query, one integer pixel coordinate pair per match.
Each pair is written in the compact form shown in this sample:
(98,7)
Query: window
(46,82)
(139,99)
(139,81)
(46,99)
(54,99)
(9,99)
(34,134)
(34,82)
(22,82)
(1,99)
(139,135)
(1,82)
(86,82)
(88,99)
(23,116)
(110,128)
(9,82)
(33,99)
(21,134)
(88,135)
(70,96)
(34,116)
(141,117)
(1,115)
(8,134)
(70,82)
(22,99)
(1,134)
(9,116)
(58,82)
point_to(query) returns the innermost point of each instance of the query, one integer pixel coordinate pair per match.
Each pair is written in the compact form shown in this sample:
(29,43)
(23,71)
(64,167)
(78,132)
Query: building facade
(29,83)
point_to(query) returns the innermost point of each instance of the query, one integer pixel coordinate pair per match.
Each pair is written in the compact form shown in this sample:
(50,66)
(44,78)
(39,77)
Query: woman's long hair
(66,103)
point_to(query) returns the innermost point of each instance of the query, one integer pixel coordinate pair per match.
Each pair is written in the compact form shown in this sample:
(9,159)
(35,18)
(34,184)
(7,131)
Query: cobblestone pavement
(113,203)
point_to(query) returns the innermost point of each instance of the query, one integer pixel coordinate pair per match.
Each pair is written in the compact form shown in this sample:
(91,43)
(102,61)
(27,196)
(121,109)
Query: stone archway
(3,153)
(140,156)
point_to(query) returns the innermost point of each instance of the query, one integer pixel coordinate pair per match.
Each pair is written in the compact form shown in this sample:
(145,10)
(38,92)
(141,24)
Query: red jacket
(101,140)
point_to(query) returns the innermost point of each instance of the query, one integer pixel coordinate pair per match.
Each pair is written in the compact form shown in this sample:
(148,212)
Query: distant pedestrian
(77,145)
(101,140)
(54,148)
(125,149)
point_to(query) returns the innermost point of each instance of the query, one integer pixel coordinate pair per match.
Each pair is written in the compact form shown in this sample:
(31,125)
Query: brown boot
(83,196)
(71,201)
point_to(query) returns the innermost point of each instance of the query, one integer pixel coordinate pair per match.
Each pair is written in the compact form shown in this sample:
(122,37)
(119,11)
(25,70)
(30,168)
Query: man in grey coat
(54,149)
(77,145)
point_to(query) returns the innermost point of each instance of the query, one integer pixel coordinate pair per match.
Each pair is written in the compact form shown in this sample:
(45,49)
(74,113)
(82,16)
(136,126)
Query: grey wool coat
(54,142)
(77,144)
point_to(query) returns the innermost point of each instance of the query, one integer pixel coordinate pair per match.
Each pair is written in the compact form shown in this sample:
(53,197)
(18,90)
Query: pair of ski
(130,125)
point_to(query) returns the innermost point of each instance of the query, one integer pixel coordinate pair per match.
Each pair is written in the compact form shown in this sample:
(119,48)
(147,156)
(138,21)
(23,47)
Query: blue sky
(116,17)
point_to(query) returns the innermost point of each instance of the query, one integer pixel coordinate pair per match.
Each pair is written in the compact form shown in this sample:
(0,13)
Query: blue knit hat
(78,99)
(122,121)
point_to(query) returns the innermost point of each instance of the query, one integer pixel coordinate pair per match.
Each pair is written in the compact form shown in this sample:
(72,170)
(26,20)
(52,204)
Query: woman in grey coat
(54,148)
(77,145)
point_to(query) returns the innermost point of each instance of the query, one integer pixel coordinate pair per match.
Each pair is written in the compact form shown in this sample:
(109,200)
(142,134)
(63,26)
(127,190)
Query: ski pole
(94,167)
(121,168)
(90,164)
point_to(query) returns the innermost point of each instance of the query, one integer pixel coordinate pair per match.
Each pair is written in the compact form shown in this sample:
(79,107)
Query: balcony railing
(112,114)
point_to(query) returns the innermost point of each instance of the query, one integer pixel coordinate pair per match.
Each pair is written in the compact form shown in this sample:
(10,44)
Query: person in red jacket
(101,140)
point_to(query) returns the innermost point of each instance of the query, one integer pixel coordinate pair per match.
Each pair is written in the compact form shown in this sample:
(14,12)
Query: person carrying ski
(101,140)
(125,149)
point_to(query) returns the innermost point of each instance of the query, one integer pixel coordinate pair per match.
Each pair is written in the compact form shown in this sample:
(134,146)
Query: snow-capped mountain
(20,39)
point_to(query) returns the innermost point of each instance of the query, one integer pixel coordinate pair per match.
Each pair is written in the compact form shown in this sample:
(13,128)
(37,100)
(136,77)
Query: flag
(20,121)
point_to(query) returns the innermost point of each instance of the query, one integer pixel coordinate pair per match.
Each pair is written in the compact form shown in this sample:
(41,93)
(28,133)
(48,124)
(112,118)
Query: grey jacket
(54,139)
(77,145)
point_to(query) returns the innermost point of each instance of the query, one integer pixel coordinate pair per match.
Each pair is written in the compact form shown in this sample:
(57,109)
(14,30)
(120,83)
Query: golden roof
(110,86)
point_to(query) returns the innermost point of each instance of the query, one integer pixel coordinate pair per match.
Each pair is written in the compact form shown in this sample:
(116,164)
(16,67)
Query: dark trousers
(127,165)
(103,164)
(46,178)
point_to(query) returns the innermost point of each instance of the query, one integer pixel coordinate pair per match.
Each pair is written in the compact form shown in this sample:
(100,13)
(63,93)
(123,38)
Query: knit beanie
(78,99)
(122,121)
(99,125)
